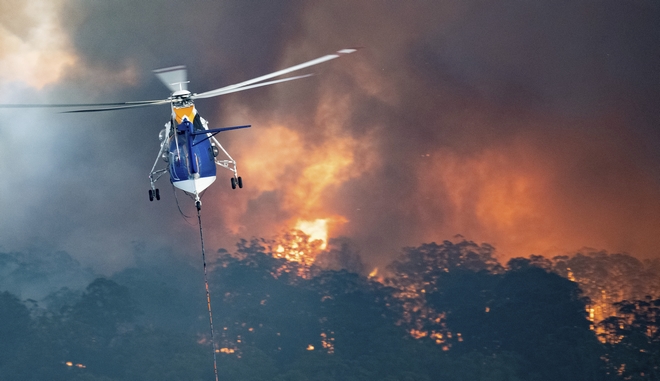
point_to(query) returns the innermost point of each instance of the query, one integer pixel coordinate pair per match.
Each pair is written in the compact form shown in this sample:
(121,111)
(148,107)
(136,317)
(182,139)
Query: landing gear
(228,163)
(155,174)
(154,193)
(236,181)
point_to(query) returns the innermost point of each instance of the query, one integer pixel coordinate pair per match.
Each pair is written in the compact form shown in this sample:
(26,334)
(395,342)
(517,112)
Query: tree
(15,336)
(261,301)
(94,326)
(609,278)
(458,295)
(424,278)
(541,317)
(633,340)
(340,255)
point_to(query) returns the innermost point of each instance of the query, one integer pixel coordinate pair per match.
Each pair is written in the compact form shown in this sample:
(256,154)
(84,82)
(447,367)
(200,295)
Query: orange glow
(438,337)
(525,198)
(296,247)
(418,334)
(316,230)
(515,192)
(328,342)
(300,176)
(491,197)
(310,347)
(373,272)
(571,277)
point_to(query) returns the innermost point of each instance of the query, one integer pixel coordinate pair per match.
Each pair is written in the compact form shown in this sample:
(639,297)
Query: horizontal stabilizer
(216,130)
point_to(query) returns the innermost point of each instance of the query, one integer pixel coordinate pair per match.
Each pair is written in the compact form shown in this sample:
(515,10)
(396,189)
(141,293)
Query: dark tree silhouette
(15,334)
(541,317)
(458,295)
(448,312)
(95,325)
(633,340)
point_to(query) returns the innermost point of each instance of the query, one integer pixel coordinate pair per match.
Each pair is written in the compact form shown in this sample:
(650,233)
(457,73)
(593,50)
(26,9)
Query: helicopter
(188,147)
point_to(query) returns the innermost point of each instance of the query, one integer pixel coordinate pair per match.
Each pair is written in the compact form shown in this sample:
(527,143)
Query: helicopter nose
(184,126)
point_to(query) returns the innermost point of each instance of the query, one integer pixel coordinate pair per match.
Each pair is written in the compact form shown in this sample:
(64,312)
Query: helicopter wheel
(233,183)
(157,194)
(240,182)
(151,195)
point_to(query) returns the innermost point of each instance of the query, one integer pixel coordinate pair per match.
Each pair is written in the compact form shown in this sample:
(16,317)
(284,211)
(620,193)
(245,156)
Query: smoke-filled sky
(532,126)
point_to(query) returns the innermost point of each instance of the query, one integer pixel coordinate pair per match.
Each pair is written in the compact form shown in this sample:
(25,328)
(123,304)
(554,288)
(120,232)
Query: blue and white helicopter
(188,146)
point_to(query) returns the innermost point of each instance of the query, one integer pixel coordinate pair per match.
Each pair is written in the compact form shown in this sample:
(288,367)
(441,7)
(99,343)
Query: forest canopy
(447,311)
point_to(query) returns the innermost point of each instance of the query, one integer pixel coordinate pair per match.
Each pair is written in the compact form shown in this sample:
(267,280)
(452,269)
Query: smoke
(530,126)
(29,35)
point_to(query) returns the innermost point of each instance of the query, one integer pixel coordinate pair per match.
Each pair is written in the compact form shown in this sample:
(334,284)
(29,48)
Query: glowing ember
(71,364)
(310,347)
(328,342)
(296,246)
(418,334)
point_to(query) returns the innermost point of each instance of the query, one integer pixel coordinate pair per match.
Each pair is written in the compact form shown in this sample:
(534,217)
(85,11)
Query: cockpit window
(180,103)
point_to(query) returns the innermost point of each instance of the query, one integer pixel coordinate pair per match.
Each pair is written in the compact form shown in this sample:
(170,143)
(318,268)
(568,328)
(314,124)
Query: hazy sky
(533,126)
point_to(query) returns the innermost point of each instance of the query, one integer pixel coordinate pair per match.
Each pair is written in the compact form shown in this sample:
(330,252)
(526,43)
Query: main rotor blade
(225,90)
(217,93)
(86,105)
(97,109)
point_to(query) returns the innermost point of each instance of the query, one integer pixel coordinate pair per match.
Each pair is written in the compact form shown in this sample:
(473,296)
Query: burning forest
(529,128)
(297,308)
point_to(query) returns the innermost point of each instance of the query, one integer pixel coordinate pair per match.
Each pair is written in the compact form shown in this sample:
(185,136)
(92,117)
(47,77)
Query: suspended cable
(185,217)
(208,293)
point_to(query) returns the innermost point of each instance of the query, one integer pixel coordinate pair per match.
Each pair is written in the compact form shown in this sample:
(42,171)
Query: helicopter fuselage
(191,151)
(191,156)
(191,165)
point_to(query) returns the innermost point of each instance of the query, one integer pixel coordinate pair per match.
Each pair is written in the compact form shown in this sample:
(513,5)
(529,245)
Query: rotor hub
(181,94)
(181,98)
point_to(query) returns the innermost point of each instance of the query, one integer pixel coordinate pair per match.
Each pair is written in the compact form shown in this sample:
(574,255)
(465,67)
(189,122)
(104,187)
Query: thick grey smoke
(531,126)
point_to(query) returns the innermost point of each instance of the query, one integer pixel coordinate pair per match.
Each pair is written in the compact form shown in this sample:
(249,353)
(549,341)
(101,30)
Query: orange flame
(316,230)
(295,179)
